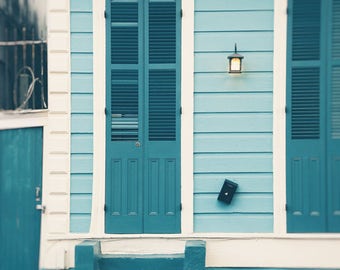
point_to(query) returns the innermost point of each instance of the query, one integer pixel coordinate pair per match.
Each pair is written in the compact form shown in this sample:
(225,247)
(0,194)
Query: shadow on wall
(23,55)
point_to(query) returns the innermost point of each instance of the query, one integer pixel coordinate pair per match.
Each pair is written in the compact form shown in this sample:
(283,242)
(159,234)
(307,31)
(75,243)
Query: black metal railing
(23,70)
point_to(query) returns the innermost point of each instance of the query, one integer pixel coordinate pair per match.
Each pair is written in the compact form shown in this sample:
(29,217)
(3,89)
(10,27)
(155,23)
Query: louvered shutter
(305,124)
(124,208)
(143,124)
(162,73)
(162,200)
(124,71)
(333,136)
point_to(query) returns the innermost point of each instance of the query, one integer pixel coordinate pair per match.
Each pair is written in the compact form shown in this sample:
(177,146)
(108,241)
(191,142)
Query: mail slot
(227,191)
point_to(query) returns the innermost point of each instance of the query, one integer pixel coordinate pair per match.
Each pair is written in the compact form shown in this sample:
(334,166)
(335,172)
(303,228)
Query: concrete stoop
(88,256)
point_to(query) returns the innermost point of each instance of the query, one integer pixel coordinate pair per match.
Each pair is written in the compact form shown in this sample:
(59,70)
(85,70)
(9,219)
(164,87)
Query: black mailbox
(227,191)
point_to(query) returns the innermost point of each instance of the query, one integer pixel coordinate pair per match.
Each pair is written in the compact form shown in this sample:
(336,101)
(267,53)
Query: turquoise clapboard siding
(233,115)
(81,114)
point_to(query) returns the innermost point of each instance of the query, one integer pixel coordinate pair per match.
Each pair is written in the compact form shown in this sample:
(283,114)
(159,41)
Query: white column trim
(187,128)
(99,94)
(279,116)
(187,89)
(56,149)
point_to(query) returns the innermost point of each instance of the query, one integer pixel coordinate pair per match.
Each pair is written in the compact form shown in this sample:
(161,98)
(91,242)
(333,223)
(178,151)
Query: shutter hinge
(105,14)
(286,207)
(180,207)
(286,109)
(105,208)
(180,111)
(105,111)
(181,13)
(287,11)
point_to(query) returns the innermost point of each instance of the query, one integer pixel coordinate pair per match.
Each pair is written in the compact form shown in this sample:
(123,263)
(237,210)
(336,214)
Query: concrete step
(88,256)
(141,262)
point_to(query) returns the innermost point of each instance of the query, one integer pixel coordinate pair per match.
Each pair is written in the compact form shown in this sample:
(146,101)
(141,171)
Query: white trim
(279,116)
(277,252)
(226,250)
(14,119)
(99,85)
(187,128)
(99,94)
(56,149)
(203,236)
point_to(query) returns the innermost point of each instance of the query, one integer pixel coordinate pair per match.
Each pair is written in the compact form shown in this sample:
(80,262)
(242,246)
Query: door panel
(20,192)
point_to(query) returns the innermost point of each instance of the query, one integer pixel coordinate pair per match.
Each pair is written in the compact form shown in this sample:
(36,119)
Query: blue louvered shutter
(124,71)
(143,130)
(313,137)
(124,208)
(333,136)
(162,72)
(305,124)
(162,186)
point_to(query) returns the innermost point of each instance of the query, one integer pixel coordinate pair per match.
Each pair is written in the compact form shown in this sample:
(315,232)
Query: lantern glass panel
(235,64)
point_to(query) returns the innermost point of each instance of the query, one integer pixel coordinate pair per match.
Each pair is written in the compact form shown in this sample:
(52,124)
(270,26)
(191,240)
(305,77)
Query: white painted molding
(187,85)
(56,150)
(273,253)
(228,250)
(23,119)
(99,93)
(187,124)
(279,115)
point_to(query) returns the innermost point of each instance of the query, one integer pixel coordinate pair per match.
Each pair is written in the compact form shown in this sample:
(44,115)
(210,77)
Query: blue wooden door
(313,152)
(143,116)
(20,193)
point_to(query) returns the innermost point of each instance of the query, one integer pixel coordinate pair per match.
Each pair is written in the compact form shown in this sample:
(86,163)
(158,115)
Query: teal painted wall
(81,114)
(233,115)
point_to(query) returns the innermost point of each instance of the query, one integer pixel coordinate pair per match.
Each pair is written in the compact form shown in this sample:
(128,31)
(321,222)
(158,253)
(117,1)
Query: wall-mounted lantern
(235,62)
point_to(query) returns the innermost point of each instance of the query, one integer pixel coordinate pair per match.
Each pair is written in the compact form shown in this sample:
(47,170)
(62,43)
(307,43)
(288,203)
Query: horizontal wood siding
(81,115)
(233,121)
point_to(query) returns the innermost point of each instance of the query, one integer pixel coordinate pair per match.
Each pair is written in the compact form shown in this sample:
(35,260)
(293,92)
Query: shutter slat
(124,33)
(162,105)
(336,30)
(305,102)
(124,45)
(162,82)
(124,82)
(162,32)
(124,105)
(306,30)
(335,104)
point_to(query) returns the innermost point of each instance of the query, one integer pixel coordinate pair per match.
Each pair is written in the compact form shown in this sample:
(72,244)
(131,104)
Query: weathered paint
(81,115)
(233,116)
